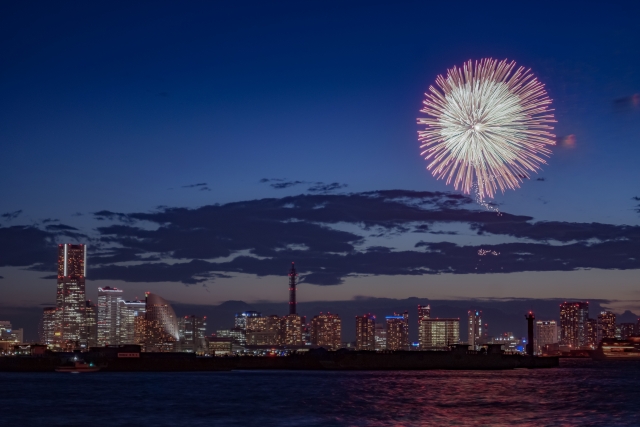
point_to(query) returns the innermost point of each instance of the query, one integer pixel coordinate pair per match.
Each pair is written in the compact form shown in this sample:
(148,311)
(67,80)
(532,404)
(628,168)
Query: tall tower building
(573,324)
(366,332)
(424,312)
(49,326)
(546,334)
(291,329)
(474,326)
(192,331)
(606,325)
(70,295)
(326,331)
(398,331)
(109,316)
(293,279)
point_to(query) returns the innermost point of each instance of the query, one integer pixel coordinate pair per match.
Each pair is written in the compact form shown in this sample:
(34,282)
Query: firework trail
(488,125)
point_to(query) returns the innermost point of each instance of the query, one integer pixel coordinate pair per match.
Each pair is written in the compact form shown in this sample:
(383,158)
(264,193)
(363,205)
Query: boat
(615,349)
(78,367)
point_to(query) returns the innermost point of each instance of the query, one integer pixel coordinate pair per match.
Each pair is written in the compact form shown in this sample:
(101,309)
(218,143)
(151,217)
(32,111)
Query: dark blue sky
(118,106)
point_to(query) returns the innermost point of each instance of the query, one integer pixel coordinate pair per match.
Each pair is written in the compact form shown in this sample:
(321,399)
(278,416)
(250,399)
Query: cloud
(328,237)
(1,277)
(285,184)
(11,215)
(541,179)
(637,199)
(198,185)
(323,188)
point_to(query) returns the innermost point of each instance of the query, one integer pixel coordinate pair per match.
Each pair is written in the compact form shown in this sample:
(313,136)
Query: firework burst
(488,125)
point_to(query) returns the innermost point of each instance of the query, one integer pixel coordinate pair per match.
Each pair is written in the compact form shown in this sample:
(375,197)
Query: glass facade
(439,334)
(70,295)
(109,318)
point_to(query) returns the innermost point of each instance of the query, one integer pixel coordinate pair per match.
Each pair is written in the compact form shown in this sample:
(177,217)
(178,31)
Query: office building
(424,312)
(573,324)
(161,325)
(220,346)
(474,328)
(627,330)
(326,331)
(398,331)
(439,334)
(546,333)
(10,334)
(70,294)
(366,332)
(131,314)
(109,316)
(90,324)
(192,332)
(246,320)
(49,326)
(606,325)
(381,336)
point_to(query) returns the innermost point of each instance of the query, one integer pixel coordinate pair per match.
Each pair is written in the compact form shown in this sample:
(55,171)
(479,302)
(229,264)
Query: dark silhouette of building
(293,278)
(530,318)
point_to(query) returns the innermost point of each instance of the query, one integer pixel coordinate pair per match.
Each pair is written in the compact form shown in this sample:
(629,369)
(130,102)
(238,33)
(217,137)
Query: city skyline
(326,172)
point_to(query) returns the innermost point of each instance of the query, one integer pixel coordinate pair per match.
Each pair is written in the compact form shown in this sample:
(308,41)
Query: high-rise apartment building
(109,317)
(474,327)
(49,326)
(606,325)
(291,330)
(366,332)
(546,333)
(381,337)
(130,314)
(91,324)
(439,334)
(398,331)
(573,324)
(70,294)
(326,331)
(161,325)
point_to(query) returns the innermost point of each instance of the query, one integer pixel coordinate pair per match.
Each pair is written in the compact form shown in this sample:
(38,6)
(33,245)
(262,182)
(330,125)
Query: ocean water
(579,393)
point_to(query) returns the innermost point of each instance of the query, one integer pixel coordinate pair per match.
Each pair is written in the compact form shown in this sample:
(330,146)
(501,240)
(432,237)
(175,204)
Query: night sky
(198,148)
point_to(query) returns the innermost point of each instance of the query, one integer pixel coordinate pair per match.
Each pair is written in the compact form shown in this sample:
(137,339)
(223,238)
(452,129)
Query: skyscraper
(242,319)
(474,327)
(192,331)
(130,312)
(546,334)
(398,331)
(573,324)
(606,325)
(70,295)
(424,312)
(161,324)
(109,316)
(293,279)
(439,334)
(366,332)
(592,333)
(381,337)
(326,331)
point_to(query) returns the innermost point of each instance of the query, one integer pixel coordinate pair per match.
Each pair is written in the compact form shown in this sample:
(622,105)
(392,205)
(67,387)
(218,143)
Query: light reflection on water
(579,393)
